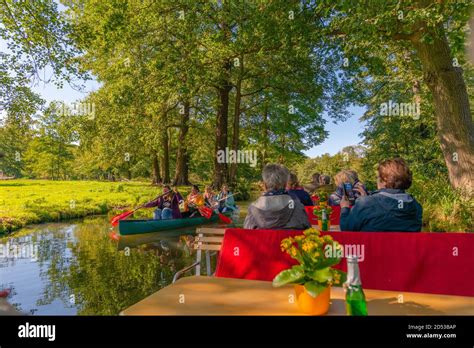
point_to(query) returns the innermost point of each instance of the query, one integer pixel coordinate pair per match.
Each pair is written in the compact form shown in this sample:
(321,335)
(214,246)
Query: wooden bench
(207,240)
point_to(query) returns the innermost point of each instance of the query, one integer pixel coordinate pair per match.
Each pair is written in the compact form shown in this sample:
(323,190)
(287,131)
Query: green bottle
(324,218)
(355,298)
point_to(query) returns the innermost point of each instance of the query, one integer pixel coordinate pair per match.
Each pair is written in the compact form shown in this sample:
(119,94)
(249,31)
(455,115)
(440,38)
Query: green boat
(128,227)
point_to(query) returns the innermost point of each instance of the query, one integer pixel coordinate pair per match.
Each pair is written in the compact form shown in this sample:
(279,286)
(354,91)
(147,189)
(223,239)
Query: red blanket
(438,263)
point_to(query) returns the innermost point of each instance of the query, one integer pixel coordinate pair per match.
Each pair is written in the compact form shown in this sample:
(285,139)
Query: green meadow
(24,202)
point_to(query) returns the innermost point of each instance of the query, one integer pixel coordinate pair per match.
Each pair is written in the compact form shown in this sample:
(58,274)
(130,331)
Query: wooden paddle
(115,220)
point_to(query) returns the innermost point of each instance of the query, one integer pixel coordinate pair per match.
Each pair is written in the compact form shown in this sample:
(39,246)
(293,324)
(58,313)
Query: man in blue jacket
(390,208)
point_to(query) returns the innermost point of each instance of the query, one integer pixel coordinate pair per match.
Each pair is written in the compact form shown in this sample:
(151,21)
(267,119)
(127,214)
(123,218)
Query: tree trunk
(220,167)
(265,137)
(181,174)
(156,179)
(453,114)
(236,129)
(165,157)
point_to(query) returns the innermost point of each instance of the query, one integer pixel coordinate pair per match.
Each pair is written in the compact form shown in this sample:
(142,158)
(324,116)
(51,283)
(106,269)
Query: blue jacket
(387,210)
(301,195)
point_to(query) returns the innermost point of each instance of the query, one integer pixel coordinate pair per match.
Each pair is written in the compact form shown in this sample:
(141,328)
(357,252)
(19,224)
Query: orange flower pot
(308,304)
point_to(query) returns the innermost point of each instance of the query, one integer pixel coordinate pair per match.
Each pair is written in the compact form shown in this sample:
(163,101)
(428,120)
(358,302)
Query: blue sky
(341,134)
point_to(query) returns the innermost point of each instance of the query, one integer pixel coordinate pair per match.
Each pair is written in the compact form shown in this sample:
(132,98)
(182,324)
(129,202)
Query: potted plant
(314,275)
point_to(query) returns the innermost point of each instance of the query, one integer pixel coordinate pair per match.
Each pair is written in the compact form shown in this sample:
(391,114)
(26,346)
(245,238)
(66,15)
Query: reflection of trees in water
(40,245)
(105,281)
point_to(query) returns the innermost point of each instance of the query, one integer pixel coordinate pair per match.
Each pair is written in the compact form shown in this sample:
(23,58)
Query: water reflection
(78,269)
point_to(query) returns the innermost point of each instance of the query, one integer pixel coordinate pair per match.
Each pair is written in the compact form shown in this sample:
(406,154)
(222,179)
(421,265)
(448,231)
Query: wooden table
(7,309)
(226,296)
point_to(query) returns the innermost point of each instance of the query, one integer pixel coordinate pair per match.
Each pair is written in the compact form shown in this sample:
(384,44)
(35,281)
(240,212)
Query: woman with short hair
(390,208)
(276,209)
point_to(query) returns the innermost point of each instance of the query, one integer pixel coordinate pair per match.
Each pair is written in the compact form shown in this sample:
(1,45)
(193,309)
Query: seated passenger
(210,198)
(194,200)
(275,209)
(167,206)
(226,200)
(180,197)
(388,209)
(346,177)
(297,192)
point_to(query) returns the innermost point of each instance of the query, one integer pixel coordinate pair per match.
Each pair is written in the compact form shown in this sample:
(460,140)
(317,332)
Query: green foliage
(290,276)
(444,209)
(242,188)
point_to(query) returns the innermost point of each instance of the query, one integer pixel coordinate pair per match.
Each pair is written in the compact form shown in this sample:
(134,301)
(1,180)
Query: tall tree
(434,35)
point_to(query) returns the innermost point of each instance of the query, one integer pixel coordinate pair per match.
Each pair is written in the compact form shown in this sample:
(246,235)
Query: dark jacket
(385,210)
(276,212)
(301,195)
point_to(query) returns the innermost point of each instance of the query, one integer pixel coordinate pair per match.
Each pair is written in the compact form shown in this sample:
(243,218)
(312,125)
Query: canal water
(76,268)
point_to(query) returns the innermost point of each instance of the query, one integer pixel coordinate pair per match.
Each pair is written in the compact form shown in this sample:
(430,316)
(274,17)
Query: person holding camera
(390,208)
(347,183)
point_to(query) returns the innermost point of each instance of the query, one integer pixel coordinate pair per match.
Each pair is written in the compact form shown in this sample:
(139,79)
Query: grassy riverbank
(25,202)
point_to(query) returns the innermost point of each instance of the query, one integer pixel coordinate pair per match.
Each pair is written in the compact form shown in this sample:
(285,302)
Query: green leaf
(314,288)
(321,275)
(289,276)
(343,276)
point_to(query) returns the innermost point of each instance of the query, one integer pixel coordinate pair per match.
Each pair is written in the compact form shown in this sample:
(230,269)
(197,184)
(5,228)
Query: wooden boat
(128,227)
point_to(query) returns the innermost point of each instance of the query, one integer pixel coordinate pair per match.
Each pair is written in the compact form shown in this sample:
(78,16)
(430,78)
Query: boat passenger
(226,200)
(276,209)
(297,192)
(180,197)
(194,200)
(167,206)
(390,208)
(210,198)
(346,177)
